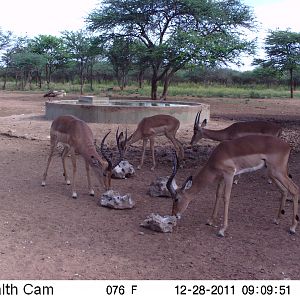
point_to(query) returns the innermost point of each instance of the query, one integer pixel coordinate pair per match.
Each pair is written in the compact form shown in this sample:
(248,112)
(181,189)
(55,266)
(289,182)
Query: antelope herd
(244,147)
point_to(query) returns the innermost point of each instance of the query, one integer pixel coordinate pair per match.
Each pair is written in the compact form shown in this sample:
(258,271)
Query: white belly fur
(250,169)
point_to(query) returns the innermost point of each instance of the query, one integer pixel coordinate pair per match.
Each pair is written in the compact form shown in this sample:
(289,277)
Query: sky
(49,17)
(34,17)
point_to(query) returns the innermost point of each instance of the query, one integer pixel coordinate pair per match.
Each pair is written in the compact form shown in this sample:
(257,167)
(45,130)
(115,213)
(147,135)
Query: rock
(52,93)
(123,170)
(158,187)
(113,199)
(159,223)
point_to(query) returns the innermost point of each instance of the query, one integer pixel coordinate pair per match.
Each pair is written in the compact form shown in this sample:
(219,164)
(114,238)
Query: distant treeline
(103,73)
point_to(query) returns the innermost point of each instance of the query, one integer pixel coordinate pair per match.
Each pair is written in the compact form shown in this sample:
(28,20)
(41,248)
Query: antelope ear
(188,184)
(204,123)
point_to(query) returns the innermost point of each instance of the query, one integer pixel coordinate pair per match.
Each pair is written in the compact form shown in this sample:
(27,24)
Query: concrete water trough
(104,110)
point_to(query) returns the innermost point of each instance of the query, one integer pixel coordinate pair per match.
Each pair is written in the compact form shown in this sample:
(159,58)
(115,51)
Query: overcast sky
(34,17)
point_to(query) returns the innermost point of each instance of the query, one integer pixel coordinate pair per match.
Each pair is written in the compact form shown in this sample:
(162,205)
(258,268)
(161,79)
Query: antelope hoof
(292,231)
(210,223)
(152,168)
(138,167)
(68,182)
(276,222)
(43,183)
(221,233)
(74,195)
(92,193)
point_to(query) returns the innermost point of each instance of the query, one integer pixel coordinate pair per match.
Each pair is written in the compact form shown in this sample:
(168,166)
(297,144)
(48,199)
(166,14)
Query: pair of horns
(111,166)
(197,120)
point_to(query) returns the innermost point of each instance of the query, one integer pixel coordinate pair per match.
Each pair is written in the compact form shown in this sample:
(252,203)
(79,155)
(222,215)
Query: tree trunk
(154,89)
(124,79)
(141,78)
(30,80)
(47,76)
(292,83)
(167,80)
(81,77)
(40,80)
(154,83)
(91,79)
(16,80)
(4,80)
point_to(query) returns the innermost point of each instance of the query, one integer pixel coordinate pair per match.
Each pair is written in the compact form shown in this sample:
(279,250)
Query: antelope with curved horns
(234,131)
(156,125)
(233,157)
(77,137)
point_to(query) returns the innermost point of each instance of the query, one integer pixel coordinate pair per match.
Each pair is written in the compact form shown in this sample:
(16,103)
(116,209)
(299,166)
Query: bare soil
(45,234)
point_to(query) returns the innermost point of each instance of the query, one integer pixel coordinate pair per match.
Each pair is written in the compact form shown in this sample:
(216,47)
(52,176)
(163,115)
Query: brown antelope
(234,131)
(238,156)
(156,125)
(77,137)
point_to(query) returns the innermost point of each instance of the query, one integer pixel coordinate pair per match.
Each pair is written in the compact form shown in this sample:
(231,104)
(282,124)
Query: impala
(233,157)
(77,138)
(236,130)
(153,126)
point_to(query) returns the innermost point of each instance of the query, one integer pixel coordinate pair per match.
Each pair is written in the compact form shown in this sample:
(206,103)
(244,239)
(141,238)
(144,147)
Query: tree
(176,32)
(53,50)
(83,48)
(5,39)
(17,45)
(27,63)
(120,55)
(282,49)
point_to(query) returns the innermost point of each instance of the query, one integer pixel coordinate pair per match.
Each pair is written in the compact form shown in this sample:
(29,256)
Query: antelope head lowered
(234,157)
(77,138)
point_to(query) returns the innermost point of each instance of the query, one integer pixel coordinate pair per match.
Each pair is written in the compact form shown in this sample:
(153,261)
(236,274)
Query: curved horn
(121,149)
(103,152)
(169,184)
(197,120)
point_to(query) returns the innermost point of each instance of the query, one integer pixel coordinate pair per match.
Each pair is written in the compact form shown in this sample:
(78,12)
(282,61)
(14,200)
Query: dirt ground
(45,234)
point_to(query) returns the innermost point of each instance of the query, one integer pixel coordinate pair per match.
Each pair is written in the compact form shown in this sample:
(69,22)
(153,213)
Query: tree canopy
(282,49)
(176,32)
(5,39)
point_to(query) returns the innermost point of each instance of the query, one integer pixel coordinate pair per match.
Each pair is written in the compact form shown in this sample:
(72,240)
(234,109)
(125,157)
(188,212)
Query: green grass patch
(179,90)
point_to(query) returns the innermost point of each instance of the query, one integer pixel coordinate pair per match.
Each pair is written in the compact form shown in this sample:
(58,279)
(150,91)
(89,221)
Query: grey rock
(159,223)
(113,199)
(123,170)
(158,187)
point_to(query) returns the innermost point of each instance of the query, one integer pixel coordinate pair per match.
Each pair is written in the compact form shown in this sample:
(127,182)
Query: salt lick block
(113,199)
(123,170)
(158,188)
(159,223)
